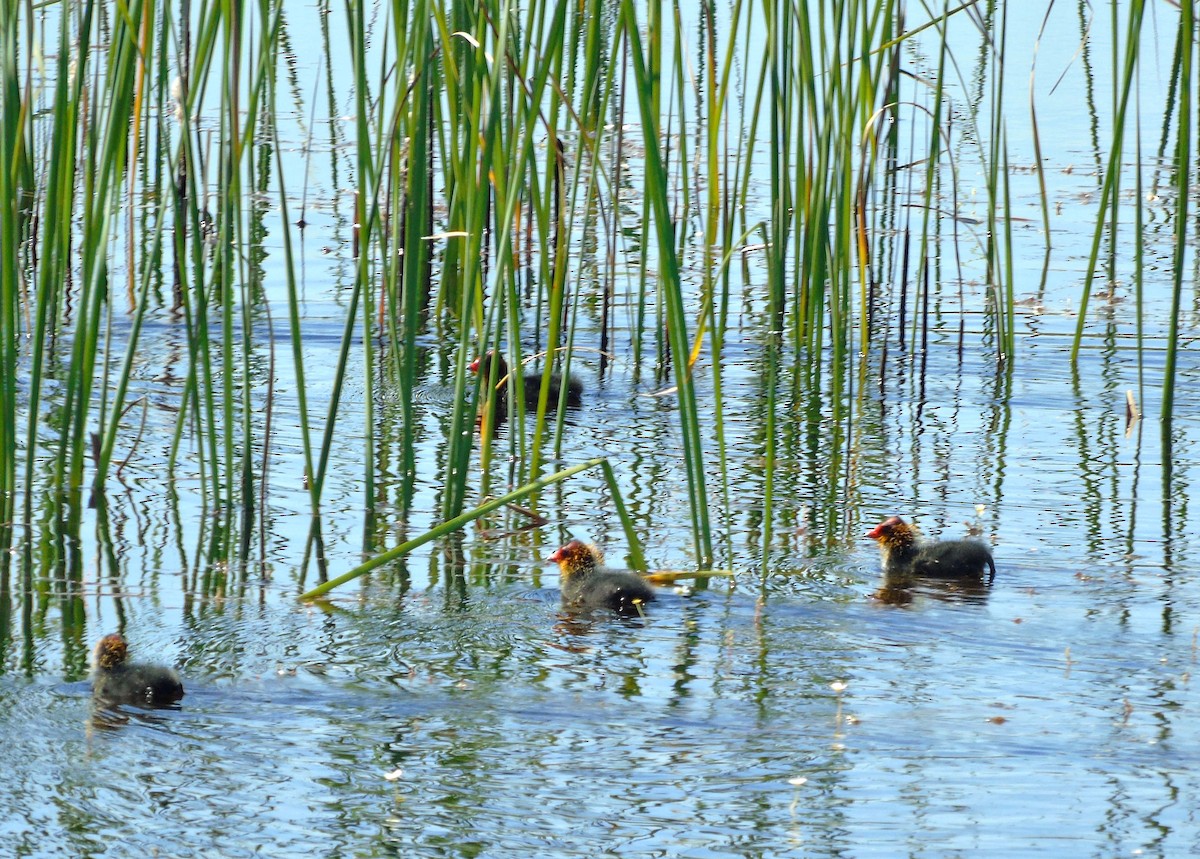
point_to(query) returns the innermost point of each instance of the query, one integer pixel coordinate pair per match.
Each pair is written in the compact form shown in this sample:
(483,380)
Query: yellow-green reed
(677,325)
(16,181)
(505,110)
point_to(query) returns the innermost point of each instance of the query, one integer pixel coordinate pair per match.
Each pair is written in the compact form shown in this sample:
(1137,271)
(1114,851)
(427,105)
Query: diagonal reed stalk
(448,527)
(1183,181)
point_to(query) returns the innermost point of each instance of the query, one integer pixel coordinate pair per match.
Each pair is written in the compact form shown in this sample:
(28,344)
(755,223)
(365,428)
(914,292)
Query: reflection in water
(676,734)
(688,728)
(898,589)
(588,621)
(108,716)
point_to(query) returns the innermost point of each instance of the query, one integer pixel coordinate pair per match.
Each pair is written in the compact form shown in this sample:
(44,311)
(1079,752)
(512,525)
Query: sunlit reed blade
(457,522)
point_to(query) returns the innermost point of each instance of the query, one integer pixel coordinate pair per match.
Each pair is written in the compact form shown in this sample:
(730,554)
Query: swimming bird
(532,384)
(116,681)
(907,553)
(586,583)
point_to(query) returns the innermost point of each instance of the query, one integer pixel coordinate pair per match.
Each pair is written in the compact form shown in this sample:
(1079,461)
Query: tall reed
(1183,188)
(15,183)
(677,317)
(492,146)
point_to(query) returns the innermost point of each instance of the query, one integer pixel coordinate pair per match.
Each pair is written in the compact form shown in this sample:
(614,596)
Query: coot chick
(907,553)
(587,584)
(532,384)
(116,681)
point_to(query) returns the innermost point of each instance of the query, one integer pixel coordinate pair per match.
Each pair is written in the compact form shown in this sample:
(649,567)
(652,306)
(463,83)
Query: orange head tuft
(111,651)
(482,367)
(893,531)
(483,364)
(576,557)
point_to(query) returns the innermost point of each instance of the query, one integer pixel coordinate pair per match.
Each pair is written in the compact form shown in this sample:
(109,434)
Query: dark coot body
(586,584)
(532,384)
(116,681)
(906,553)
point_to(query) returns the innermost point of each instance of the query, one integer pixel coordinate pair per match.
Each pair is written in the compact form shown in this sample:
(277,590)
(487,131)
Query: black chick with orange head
(906,553)
(532,384)
(587,584)
(116,681)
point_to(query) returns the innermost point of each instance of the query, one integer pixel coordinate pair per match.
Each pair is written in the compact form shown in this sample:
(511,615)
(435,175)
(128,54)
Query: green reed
(677,316)
(393,154)
(493,146)
(413,196)
(1123,89)
(15,183)
(479,96)
(1182,181)
(98,182)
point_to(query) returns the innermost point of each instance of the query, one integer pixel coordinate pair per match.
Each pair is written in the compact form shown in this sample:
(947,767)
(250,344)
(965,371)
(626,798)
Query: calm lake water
(447,706)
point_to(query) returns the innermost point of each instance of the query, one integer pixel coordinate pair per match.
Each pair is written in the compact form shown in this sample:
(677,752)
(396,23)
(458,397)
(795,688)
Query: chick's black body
(586,584)
(906,553)
(531,382)
(116,681)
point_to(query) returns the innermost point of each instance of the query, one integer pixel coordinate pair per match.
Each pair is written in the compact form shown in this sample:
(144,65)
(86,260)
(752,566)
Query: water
(447,706)
(1052,715)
